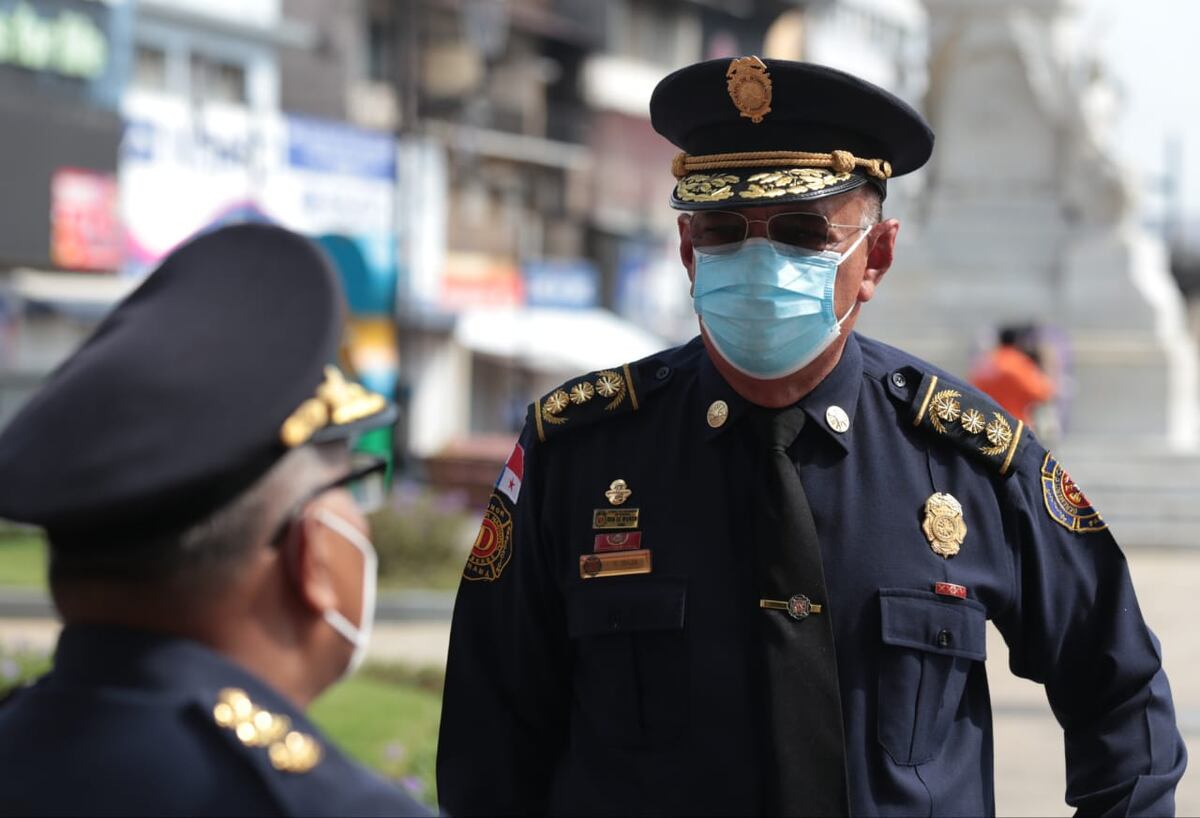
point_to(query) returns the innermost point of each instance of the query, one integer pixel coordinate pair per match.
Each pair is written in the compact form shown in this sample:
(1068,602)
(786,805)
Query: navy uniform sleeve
(505,708)
(1074,625)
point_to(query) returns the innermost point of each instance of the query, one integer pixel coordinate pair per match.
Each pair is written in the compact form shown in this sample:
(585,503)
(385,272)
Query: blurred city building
(484,175)
(61,73)
(532,204)
(482,172)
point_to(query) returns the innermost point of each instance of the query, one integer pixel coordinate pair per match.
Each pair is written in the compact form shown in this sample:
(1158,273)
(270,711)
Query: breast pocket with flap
(630,675)
(930,645)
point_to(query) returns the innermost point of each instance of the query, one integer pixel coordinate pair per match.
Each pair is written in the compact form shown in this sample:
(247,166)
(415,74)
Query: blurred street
(1029,749)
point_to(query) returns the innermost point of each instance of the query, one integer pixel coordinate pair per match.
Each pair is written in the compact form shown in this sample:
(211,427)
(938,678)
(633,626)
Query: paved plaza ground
(1029,746)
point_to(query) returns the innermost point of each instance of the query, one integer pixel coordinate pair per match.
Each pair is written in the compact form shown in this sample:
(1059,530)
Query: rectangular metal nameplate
(624,541)
(606,518)
(616,564)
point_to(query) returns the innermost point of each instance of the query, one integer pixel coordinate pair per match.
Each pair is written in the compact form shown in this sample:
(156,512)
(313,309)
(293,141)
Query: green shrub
(19,666)
(423,538)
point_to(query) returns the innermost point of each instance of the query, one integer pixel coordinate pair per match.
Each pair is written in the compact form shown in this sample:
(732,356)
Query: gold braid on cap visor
(838,161)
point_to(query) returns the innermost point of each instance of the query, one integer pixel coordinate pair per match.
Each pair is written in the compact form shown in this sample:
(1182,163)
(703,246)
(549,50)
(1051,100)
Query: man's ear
(881,250)
(685,245)
(308,560)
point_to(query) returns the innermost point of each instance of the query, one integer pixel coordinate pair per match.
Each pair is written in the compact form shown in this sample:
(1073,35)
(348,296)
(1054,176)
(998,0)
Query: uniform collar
(124,657)
(839,389)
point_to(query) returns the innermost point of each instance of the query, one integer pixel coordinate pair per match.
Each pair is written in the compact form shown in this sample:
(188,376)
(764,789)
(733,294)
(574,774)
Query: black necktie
(805,758)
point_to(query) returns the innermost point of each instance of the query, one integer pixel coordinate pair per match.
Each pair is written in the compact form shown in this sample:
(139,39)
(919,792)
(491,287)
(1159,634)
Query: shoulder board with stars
(970,420)
(287,749)
(596,396)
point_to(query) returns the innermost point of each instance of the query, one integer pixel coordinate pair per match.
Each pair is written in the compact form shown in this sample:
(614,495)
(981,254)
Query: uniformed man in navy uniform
(208,550)
(751,575)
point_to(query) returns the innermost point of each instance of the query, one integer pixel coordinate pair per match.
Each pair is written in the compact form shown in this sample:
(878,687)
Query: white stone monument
(1025,218)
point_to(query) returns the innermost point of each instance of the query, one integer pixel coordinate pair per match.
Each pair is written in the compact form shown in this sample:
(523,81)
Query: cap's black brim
(383,418)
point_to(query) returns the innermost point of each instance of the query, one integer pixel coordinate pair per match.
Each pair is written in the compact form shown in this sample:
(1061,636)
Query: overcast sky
(1152,49)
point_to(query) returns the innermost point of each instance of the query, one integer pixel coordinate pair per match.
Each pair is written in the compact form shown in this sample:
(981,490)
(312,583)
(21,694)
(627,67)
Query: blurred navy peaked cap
(187,392)
(755,132)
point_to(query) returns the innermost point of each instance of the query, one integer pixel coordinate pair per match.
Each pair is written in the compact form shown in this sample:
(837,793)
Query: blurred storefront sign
(185,168)
(480,280)
(63,37)
(565,283)
(370,288)
(371,348)
(375,361)
(544,339)
(56,77)
(85,230)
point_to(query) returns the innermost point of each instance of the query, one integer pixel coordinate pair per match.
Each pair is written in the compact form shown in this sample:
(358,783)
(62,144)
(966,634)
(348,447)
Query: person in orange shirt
(1012,377)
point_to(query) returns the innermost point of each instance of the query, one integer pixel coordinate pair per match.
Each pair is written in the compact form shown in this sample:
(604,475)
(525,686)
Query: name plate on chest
(614,564)
(608,518)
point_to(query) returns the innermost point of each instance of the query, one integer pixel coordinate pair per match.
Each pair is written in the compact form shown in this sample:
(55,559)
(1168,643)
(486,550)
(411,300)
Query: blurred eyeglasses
(366,483)
(723,231)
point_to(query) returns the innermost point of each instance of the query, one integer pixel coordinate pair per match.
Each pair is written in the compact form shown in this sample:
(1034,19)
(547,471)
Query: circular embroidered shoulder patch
(493,543)
(1066,504)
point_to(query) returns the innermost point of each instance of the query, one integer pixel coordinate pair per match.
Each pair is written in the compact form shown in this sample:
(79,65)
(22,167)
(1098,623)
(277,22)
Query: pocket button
(944,638)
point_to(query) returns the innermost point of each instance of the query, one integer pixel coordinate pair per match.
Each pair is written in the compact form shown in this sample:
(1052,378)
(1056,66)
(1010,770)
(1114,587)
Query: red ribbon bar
(624,541)
(950,589)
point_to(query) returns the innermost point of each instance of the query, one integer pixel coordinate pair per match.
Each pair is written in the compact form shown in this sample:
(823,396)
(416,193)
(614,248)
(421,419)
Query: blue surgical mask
(768,308)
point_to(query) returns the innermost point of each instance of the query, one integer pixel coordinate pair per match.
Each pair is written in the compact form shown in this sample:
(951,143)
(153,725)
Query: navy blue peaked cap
(187,392)
(853,131)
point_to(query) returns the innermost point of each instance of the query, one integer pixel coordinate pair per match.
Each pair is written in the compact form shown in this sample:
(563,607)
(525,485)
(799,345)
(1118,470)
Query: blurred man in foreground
(752,574)
(209,553)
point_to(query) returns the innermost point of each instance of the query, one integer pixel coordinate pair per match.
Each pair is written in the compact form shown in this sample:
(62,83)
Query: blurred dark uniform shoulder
(188,392)
(132,723)
(602,654)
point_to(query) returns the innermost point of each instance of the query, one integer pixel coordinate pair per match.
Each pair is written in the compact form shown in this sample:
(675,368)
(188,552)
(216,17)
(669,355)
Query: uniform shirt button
(899,380)
(944,638)
(663,372)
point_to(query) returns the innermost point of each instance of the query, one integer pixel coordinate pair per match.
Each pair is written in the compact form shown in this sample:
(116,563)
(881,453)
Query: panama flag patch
(509,483)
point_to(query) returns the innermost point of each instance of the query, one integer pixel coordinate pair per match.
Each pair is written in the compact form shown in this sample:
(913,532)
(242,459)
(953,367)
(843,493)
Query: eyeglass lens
(717,228)
(369,484)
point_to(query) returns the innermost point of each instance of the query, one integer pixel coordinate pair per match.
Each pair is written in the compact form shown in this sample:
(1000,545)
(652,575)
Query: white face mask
(359,636)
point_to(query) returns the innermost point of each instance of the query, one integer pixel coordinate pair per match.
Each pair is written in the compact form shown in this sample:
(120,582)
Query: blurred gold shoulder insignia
(290,751)
(749,87)
(573,400)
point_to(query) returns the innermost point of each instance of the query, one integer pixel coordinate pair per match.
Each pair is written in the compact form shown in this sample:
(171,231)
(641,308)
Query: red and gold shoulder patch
(1066,504)
(493,544)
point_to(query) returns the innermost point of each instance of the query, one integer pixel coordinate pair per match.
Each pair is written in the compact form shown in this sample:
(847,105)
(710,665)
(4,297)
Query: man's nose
(756,228)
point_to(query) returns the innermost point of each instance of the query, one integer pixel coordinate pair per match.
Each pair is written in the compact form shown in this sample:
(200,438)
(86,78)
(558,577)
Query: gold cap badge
(618,492)
(943,525)
(337,401)
(749,87)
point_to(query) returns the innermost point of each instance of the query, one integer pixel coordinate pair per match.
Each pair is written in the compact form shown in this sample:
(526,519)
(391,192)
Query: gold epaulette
(598,395)
(290,751)
(969,420)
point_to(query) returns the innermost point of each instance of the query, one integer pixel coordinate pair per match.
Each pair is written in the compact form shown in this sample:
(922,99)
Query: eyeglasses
(367,483)
(723,231)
